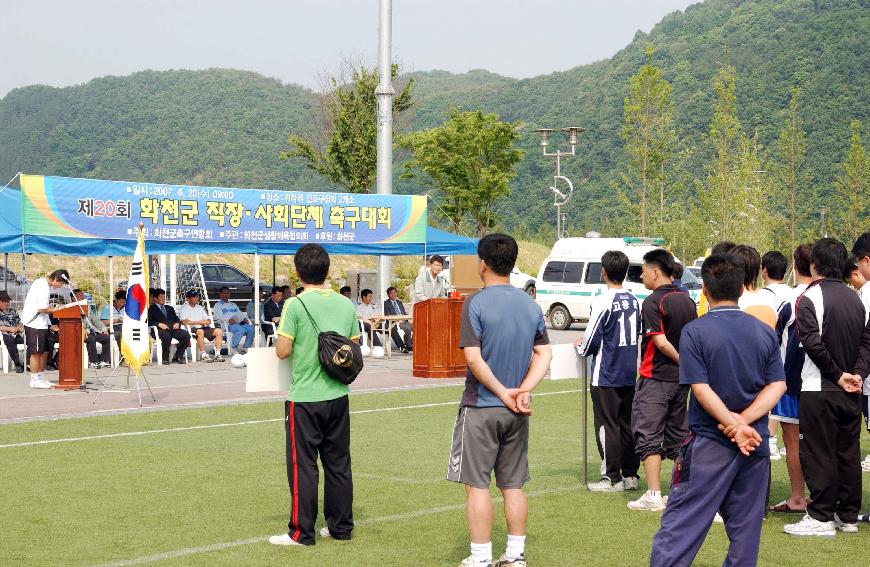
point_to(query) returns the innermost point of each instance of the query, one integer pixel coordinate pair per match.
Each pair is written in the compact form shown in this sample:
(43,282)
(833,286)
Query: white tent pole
(173,279)
(204,290)
(163,272)
(256,300)
(110,309)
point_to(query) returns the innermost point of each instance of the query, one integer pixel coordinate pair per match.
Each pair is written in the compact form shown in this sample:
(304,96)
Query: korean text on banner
(88,208)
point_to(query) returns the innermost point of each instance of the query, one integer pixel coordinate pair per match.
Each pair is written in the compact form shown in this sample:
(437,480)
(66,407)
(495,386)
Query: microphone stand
(88,326)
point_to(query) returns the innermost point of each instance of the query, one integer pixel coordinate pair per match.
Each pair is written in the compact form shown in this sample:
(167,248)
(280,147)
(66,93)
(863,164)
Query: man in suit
(168,327)
(392,306)
(272,310)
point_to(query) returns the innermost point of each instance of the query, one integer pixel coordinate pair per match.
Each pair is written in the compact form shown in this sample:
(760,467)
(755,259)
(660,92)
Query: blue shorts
(786,409)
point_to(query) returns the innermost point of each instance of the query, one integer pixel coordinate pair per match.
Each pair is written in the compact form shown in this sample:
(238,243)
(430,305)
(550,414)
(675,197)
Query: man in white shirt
(430,283)
(194,315)
(36,321)
(365,310)
(774,265)
(225,311)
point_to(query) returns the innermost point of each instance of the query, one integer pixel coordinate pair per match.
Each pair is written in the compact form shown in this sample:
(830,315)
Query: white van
(570,277)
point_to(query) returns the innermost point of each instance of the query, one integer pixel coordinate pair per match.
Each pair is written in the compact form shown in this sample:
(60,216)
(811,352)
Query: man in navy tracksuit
(732,362)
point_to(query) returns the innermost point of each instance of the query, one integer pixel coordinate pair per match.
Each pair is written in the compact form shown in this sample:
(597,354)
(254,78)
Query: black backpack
(339,356)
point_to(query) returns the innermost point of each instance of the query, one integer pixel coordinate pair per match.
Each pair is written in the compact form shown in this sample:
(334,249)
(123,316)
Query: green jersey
(331,312)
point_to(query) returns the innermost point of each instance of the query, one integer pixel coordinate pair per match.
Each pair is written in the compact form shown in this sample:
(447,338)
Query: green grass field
(212,495)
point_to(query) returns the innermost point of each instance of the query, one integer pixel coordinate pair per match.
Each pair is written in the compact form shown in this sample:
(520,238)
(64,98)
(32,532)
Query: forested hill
(225,127)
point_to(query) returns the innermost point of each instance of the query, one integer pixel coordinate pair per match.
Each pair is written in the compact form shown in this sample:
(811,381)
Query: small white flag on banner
(135,339)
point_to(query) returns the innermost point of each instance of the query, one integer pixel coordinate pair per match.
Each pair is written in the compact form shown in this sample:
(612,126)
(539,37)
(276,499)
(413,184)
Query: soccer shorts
(487,440)
(786,409)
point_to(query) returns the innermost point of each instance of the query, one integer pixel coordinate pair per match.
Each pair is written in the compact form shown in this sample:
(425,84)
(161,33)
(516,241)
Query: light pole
(384,93)
(560,199)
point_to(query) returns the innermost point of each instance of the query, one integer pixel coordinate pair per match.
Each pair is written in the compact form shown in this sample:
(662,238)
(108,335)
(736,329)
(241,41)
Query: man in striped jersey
(611,339)
(786,409)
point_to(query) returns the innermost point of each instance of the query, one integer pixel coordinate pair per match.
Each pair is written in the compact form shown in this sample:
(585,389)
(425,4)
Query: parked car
(570,277)
(216,276)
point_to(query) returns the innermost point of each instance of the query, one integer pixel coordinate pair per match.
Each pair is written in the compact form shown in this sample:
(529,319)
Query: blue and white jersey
(612,339)
(790,345)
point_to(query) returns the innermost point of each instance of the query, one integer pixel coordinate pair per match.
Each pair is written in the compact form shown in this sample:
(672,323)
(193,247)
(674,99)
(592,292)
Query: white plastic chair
(157,347)
(6,359)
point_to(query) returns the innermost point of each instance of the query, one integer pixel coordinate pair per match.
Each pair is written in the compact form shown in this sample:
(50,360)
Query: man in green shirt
(317,417)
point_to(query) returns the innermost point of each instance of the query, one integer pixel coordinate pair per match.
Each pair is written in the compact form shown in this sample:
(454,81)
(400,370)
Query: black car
(216,276)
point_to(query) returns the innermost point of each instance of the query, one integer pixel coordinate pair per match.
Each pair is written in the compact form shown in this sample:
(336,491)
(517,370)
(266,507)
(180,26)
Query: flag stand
(138,389)
(135,339)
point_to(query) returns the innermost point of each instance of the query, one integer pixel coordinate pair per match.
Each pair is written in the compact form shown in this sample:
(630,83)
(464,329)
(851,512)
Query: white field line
(204,403)
(233,424)
(403,516)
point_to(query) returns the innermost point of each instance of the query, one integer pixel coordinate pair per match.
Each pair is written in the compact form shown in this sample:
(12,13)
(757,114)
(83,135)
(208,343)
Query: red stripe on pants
(294,513)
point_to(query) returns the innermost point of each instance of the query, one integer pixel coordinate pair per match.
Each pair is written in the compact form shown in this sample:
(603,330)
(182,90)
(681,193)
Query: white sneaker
(717,519)
(604,485)
(647,502)
(105,365)
(631,483)
(809,526)
(469,562)
(324,532)
(865,464)
(283,539)
(41,384)
(505,561)
(844,527)
(206,357)
(774,449)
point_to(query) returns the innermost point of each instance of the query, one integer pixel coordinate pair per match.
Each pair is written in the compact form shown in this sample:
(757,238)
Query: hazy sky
(69,42)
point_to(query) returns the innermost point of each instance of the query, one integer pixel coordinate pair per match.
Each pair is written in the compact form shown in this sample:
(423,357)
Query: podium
(436,339)
(70,363)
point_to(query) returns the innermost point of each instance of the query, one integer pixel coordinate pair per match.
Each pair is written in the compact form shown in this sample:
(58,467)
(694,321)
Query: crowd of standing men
(800,355)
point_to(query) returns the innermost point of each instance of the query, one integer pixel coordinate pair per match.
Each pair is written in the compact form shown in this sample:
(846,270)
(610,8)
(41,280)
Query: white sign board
(565,364)
(266,372)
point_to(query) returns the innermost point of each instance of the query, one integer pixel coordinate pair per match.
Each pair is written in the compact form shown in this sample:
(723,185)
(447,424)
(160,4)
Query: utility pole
(384,94)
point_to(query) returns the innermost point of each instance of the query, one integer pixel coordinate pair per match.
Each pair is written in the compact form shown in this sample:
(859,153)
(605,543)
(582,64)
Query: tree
(790,169)
(852,188)
(724,127)
(470,158)
(350,116)
(648,136)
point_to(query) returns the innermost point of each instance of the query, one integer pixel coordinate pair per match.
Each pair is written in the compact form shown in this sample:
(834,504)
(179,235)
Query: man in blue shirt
(507,350)
(732,362)
(239,326)
(611,340)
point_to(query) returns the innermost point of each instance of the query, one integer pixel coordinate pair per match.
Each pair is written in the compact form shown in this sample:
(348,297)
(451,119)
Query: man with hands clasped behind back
(732,363)
(507,350)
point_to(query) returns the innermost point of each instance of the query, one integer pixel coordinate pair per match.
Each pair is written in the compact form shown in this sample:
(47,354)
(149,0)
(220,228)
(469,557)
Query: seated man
(168,326)
(272,310)
(115,321)
(12,329)
(95,332)
(365,311)
(225,311)
(392,306)
(194,315)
